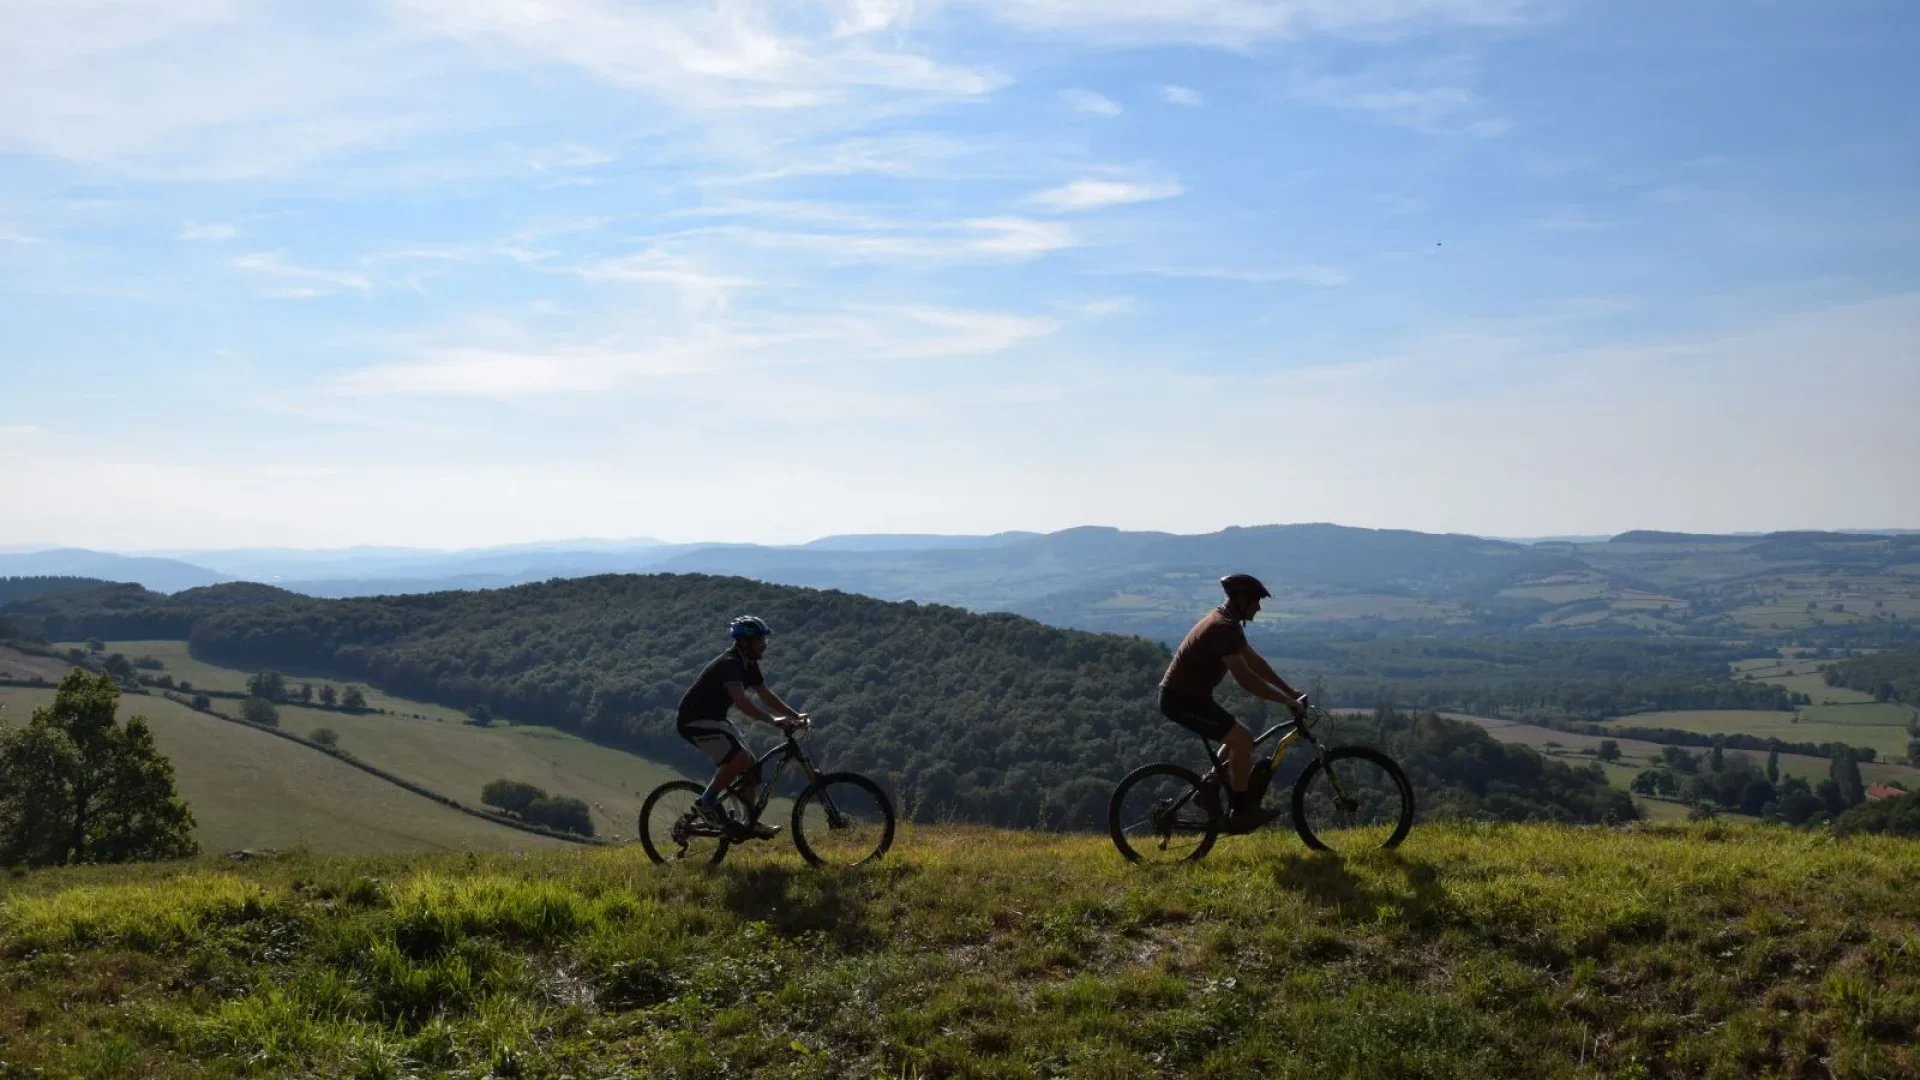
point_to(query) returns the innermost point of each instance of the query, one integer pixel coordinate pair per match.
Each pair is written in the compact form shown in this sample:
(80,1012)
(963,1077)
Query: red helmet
(1239,585)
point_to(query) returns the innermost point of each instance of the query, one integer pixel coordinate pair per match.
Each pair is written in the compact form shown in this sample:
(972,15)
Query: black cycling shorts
(1201,715)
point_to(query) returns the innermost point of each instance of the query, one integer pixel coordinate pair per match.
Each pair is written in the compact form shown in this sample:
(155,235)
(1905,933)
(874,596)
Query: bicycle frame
(787,750)
(1290,732)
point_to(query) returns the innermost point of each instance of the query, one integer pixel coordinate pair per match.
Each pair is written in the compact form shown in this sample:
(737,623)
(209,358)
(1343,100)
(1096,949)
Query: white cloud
(1010,238)
(1098,194)
(209,232)
(737,55)
(317,282)
(656,267)
(1440,103)
(1305,274)
(11,235)
(1088,103)
(504,375)
(1107,306)
(19,429)
(1182,95)
(1236,23)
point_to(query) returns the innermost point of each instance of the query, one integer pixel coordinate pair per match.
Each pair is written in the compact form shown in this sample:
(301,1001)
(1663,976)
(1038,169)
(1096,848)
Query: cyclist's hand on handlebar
(1298,707)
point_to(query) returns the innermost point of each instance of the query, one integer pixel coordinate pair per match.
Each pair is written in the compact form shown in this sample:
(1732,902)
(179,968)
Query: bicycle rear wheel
(1352,799)
(671,830)
(842,819)
(1163,814)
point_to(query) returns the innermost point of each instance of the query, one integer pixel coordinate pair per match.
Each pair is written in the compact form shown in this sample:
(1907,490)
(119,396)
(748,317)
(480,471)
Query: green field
(1881,726)
(1474,952)
(444,754)
(249,789)
(458,760)
(204,676)
(1636,755)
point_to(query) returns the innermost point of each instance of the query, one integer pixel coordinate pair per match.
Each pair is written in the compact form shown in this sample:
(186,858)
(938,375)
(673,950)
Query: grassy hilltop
(1477,951)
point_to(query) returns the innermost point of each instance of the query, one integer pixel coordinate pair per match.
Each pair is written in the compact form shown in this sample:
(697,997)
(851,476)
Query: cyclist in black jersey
(723,685)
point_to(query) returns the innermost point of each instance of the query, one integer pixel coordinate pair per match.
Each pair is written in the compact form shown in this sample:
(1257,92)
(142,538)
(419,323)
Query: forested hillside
(1888,676)
(990,718)
(28,588)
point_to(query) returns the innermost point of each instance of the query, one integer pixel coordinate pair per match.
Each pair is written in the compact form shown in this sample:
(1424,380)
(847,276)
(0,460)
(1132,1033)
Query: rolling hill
(250,789)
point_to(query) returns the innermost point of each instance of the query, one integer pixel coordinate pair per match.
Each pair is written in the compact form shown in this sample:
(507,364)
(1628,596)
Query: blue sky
(462,272)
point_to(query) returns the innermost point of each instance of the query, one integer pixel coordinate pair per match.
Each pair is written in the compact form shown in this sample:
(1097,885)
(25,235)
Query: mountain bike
(1348,799)
(839,819)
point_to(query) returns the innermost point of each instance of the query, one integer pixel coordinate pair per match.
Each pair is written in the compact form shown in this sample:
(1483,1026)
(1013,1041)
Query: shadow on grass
(1325,879)
(798,901)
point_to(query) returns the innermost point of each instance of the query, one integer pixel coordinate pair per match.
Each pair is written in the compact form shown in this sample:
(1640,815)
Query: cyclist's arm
(745,704)
(779,707)
(1250,680)
(1261,668)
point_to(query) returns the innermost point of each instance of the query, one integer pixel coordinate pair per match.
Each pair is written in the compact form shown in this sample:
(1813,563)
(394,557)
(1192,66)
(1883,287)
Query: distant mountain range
(1150,583)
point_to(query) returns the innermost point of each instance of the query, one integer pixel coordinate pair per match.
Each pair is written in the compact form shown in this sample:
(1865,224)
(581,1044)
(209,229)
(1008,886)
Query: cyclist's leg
(720,741)
(1204,717)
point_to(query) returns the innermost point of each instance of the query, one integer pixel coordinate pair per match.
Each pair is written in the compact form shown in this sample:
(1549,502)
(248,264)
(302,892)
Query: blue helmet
(747,626)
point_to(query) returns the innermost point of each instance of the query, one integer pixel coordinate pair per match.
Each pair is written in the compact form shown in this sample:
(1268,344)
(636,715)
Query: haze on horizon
(423,273)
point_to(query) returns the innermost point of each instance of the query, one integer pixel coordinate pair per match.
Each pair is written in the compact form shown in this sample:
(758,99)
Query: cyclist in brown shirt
(1215,647)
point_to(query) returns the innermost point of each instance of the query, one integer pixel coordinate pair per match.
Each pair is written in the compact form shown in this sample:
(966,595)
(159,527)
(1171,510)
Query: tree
(326,736)
(354,700)
(268,684)
(327,695)
(561,813)
(1679,760)
(306,691)
(1609,750)
(258,710)
(1647,782)
(76,786)
(95,645)
(202,702)
(1913,753)
(1719,760)
(511,796)
(1844,770)
(1773,766)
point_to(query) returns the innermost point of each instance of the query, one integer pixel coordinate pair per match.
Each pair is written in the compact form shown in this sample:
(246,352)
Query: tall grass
(1479,952)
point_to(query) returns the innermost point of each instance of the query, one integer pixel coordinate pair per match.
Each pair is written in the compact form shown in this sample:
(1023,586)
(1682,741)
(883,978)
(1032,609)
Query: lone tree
(258,710)
(354,700)
(327,737)
(1773,765)
(1844,770)
(1609,750)
(78,787)
(327,695)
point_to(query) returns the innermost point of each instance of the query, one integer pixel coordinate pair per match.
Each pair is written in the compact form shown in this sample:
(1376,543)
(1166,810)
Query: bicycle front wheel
(842,819)
(673,832)
(1352,799)
(1163,814)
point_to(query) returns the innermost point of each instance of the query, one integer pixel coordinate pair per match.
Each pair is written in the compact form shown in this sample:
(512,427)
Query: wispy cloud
(505,375)
(1182,95)
(11,235)
(19,429)
(1434,101)
(1089,103)
(1243,22)
(208,232)
(313,281)
(1306,274)
(1098,194)
(1006,237)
